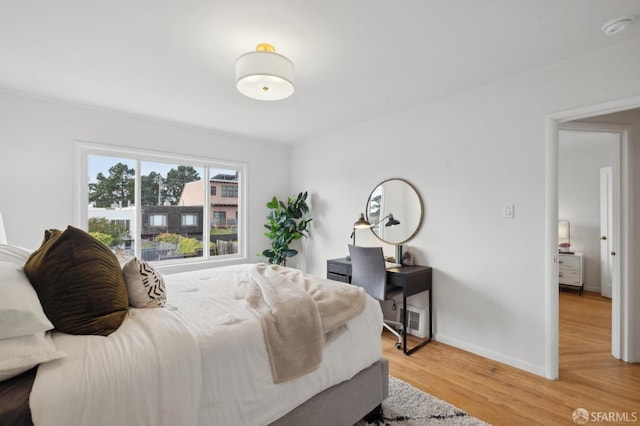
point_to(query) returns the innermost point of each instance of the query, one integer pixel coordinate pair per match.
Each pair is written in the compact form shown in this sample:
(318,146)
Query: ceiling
(355,59)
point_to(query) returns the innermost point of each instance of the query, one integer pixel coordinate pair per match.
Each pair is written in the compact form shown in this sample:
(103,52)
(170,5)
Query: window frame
(195,216)
(81,197)
(165,220)
(217,214)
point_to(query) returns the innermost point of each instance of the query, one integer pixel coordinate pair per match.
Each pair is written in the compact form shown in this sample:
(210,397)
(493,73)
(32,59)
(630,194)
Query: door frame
(621,315)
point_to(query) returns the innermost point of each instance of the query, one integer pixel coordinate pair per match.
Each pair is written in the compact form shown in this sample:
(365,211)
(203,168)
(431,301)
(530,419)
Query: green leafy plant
(103,225)
(188,245)
(168,238)
(222,231)
(105,239)
(286,222)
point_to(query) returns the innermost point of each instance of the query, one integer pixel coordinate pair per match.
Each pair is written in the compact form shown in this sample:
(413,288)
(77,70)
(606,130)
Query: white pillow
(14,254)
(144,284)
(21,313)
(20,354)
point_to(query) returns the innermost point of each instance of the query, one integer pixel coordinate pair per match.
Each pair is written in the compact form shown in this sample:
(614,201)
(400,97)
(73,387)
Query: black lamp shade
(392,221)
(362,222)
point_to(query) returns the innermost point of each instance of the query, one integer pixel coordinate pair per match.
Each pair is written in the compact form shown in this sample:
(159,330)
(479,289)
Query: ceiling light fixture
(617,25)
(264,74)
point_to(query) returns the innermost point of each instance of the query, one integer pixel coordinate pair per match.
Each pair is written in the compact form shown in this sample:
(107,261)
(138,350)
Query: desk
(412,279)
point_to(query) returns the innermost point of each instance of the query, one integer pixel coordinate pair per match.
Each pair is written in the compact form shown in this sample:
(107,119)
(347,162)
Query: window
(154,203)
(230,191)
(189,219)
(219,218)
(158,220)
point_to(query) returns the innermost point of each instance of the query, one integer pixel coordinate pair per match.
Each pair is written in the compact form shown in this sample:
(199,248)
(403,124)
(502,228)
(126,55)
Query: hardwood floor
(590,377)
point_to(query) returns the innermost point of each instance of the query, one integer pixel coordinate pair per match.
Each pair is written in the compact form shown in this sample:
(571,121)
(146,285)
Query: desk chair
(368,271)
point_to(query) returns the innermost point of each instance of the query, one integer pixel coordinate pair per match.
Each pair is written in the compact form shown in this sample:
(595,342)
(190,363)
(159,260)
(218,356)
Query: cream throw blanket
(297,312)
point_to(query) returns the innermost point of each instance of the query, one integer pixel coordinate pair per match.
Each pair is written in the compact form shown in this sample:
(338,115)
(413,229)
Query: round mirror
(394,210)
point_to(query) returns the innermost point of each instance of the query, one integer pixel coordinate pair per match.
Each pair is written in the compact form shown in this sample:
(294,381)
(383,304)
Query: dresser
(571,270)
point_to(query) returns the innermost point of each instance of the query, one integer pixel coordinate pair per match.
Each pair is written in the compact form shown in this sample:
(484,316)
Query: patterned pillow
(144,284)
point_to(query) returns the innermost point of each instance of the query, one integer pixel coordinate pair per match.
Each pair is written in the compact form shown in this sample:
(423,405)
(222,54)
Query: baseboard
(538,370)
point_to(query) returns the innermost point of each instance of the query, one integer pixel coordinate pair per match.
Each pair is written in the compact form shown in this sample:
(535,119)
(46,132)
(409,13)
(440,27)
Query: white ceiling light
(617,25)
(265,74)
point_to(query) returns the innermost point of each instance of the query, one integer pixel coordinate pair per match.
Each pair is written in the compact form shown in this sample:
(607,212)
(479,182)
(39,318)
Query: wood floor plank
(590,377)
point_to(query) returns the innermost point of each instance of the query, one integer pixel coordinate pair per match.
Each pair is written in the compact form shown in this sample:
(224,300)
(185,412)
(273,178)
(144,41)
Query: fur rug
(408,406)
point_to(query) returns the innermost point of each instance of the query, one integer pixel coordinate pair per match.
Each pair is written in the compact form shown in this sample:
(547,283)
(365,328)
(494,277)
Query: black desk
(412,279)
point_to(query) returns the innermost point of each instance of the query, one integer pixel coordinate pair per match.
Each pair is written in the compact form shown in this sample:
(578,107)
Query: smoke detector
(617,25)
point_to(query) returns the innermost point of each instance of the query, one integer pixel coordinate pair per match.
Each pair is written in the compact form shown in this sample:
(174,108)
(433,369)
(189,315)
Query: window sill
(195,265)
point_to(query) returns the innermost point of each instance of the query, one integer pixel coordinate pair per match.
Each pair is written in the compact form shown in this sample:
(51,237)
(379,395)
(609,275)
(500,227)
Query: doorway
(622,338)
(588,160)
(589,203)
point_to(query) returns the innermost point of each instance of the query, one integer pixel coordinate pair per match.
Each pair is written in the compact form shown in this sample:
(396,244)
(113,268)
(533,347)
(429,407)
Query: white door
(606,234)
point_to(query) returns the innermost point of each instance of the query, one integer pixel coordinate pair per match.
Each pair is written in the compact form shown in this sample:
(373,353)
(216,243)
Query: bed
(203,358)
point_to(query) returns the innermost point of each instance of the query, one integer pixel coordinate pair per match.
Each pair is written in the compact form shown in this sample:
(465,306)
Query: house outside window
(160,199)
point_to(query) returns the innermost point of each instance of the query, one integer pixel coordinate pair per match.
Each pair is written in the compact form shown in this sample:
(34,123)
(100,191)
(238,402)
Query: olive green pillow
(79,282)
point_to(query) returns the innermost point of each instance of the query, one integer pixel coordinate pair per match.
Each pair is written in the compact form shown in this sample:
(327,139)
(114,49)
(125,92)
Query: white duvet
(201,360)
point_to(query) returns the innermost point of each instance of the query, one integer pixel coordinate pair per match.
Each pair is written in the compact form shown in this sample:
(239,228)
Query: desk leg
(404,325)
(430,316)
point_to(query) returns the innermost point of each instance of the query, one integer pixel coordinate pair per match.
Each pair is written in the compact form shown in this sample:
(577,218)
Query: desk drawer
(397,280)
(337,277)
(337,268)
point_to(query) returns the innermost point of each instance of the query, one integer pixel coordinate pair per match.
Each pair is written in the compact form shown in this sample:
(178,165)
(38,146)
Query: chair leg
(396,333)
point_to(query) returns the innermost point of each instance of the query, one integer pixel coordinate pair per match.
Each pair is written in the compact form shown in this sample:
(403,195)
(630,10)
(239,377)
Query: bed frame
(345,403)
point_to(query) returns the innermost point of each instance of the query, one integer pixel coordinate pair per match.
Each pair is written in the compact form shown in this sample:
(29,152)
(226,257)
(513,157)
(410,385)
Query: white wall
(580,157)
(467,155)
(37,172)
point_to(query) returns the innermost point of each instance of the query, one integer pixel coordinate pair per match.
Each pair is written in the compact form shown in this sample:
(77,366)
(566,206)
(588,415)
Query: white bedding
(201,360)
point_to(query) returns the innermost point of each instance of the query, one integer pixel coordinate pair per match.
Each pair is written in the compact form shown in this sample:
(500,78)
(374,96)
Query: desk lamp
(359,224)
(364,223)
(390,222)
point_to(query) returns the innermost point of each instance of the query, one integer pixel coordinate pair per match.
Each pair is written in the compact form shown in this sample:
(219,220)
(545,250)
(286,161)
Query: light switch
(508,211)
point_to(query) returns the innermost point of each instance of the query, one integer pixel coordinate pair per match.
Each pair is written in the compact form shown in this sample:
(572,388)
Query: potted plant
(286,222)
